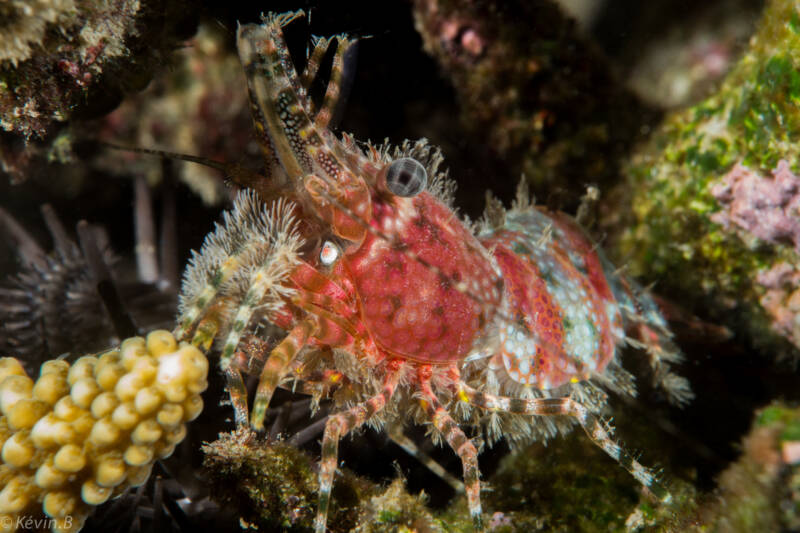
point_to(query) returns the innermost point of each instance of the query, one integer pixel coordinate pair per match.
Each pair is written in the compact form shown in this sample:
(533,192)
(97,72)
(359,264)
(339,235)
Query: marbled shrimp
(394,307)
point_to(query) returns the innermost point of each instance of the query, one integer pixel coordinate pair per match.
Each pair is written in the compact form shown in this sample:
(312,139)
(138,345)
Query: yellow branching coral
(82,434)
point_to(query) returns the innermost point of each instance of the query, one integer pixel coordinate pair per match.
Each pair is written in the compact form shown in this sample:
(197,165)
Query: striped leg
(459,442)
(263,292)
(207,329)
(238,393)
(218,277)
(312,65)
(276,366)
(260,294)
(337,427)
(599,432)
(203,337)
(332,91)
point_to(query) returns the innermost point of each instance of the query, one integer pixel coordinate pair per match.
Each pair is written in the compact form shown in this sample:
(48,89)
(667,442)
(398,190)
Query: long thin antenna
(224,167)
(241,175)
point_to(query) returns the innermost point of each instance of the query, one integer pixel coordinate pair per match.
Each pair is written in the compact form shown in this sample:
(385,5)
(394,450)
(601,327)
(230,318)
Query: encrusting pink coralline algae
(767,208)
(763,207)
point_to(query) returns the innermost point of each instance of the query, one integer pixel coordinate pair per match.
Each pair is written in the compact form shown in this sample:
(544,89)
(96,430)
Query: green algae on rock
(394,509)
(758,492)
(274,486)
(567,488)
(561,487)
(568,485)
(691,230)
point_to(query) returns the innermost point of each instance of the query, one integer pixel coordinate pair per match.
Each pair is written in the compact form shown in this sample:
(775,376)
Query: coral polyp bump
(83,433)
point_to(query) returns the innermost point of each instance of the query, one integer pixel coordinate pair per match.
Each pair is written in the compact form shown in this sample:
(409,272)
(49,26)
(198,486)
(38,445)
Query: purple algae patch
(764,207)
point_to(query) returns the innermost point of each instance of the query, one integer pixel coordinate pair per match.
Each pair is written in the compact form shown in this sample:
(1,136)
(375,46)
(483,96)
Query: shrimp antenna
(224,167)
(235,172)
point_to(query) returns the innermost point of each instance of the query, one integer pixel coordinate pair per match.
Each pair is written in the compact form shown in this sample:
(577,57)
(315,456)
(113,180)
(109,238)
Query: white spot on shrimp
(329,253)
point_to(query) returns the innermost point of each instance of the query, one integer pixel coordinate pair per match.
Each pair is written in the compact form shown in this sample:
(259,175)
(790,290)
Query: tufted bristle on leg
(244,261)
(661,351)
(217,261)
(263,289)
(249,234)
(647,330)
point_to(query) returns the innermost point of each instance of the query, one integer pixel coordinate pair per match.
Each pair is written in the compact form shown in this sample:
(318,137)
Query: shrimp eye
(329,253)
(406,177)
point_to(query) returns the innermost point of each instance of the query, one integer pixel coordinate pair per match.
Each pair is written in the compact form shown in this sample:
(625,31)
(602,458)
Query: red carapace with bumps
(394,307)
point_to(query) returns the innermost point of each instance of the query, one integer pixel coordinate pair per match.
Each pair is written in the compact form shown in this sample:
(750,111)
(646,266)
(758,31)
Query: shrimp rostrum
(394,307)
